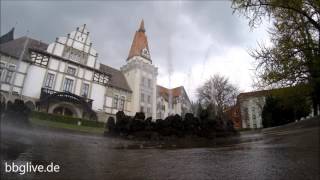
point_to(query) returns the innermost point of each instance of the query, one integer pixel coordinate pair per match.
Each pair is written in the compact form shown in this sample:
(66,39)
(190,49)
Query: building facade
(65,77)
(250,106)
(179,99)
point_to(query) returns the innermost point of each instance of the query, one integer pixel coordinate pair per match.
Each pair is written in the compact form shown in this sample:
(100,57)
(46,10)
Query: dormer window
(100,78)
(39,59)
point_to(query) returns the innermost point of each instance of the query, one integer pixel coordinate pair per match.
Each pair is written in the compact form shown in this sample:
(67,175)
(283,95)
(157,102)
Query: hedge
(66,119)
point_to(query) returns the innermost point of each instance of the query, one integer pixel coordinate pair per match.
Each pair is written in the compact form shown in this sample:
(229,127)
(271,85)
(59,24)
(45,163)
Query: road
(288,152)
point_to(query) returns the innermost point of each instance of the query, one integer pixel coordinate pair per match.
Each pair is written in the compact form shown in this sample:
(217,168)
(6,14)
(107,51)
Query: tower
(141,74)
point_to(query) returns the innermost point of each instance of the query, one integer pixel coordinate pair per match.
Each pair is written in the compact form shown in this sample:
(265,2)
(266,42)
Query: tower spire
(139,46)
(142,29)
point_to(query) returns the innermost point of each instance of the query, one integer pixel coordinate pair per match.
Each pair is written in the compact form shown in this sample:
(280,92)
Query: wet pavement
(284,153)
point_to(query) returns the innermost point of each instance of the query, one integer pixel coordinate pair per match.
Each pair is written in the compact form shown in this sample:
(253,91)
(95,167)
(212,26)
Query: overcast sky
(199,38)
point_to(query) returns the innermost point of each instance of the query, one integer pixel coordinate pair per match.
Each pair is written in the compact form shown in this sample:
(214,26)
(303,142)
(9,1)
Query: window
(100,78)
(142,97)
(85,90)
(148,112)
(142,81)
(254,120)
(71,71)
(10,73)
(2,67)
(49,81)
(39,59)
(68,85)
(141,109)
(149,83)
(115,101)
(121,103)
(149,99)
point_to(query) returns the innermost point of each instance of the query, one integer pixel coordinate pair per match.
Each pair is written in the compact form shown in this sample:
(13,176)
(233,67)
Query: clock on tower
(145,53)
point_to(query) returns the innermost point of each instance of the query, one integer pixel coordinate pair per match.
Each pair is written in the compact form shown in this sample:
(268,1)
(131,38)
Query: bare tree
(218,91)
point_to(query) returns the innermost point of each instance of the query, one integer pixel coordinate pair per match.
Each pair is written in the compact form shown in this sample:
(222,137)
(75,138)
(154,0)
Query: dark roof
(117,78)
(7,37)
(254,94)
(14,48)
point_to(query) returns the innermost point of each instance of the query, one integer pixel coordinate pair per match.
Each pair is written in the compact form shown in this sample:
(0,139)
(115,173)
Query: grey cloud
(112,26)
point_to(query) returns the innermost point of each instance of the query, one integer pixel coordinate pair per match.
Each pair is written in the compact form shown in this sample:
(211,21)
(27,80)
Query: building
(172,101)
(141,75)
(250,105)
(233,114)
(65,77)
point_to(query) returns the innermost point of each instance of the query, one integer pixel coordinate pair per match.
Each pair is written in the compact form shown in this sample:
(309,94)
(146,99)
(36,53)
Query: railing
(45,93)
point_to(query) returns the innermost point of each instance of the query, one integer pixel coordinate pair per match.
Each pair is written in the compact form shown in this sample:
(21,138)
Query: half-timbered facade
(65,77)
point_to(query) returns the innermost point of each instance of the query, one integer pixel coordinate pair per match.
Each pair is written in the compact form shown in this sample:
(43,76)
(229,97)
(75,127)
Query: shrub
(111,125)
(284,108)
(17,113)
(170,126)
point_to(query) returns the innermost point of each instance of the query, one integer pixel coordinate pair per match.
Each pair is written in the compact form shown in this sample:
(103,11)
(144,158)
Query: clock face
(145,53)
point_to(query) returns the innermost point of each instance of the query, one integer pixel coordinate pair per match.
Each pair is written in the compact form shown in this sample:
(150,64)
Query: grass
(73,127)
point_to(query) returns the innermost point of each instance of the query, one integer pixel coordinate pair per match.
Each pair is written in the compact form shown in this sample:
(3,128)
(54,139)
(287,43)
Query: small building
(172,101)
(250,106)
(233,114)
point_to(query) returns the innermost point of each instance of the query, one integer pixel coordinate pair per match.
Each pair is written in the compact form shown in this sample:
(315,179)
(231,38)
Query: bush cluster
(279,110)
(66,119)
(176,126)
(16,113)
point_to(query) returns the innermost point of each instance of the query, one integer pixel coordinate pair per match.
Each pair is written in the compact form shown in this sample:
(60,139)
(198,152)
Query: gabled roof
(15,47)
(176,92)
(117,78)
(139,42)
(300,88)
(254,94)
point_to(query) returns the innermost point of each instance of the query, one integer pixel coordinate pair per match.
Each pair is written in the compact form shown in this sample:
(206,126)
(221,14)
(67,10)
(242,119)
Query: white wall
(255,107)
(97,96)
(33,82)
